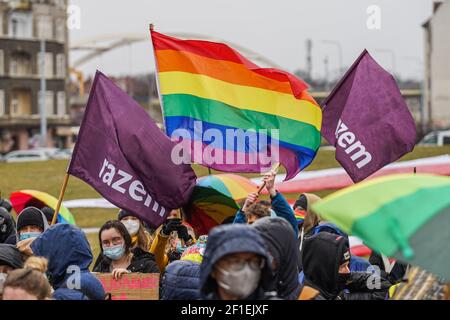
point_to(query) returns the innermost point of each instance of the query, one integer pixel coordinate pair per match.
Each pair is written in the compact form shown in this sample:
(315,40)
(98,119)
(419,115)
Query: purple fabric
(123,155)
(367,120)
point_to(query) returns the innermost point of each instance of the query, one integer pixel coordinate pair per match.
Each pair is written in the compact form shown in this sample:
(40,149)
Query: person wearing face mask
(31,222)
(326,260)
(10,259)
(139,236)
(117,256)
(235,265)
(281,243)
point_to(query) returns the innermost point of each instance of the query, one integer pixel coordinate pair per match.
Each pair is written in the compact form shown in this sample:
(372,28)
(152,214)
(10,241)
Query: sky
(276,30)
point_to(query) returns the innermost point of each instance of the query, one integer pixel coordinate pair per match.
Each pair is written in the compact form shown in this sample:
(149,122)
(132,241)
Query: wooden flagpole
(61,196)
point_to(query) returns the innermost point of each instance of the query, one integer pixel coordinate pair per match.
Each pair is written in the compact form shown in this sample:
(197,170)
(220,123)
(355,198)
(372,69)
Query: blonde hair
(145,239)
(36,263)
(312,219)
(30,280)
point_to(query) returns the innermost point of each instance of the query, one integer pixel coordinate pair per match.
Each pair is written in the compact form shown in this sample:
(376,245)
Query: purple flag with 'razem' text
(366,118)
(123,154)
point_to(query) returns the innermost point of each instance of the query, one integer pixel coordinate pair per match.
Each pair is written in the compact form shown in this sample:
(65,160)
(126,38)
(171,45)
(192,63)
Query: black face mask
(342,280)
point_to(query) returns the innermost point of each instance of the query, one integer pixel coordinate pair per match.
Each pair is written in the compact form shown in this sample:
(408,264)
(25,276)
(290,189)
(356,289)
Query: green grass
(48,177)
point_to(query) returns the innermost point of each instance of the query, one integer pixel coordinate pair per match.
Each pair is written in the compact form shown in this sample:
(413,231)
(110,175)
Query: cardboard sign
(132,286)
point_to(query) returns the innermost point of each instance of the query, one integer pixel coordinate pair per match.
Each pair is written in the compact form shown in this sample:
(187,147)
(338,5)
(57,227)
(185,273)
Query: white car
(26,155)
(62,154)
(436,138)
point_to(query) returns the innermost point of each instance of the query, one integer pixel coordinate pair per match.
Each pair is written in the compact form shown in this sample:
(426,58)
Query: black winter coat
(142,262)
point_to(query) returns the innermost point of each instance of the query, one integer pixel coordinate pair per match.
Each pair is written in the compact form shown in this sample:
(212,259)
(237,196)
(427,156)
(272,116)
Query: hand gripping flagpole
(274,168)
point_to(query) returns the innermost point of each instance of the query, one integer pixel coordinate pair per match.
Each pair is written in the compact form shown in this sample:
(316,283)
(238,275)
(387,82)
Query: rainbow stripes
(404,216)
(212,83)
(24,198)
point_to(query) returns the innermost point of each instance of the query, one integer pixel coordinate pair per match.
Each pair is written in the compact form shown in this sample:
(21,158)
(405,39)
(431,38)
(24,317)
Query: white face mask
(2,280)
(239,283)
(132,226)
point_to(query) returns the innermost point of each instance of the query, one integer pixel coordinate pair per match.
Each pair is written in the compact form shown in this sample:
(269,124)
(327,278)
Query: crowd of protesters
(265,252)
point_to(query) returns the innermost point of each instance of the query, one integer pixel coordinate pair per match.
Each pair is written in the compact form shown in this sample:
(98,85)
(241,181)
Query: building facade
(437,67)
(23,24)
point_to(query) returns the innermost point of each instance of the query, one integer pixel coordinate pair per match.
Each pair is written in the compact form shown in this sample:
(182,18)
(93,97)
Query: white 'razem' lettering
(125,178)
(347,141)
(127,185)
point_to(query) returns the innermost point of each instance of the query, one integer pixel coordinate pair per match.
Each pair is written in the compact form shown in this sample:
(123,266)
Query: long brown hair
(145,239)
(311,219)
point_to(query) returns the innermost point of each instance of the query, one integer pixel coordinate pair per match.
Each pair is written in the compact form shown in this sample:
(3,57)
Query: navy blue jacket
(180,281)
(69,255)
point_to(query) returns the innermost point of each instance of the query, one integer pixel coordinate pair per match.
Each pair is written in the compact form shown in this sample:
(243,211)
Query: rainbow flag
(208,89)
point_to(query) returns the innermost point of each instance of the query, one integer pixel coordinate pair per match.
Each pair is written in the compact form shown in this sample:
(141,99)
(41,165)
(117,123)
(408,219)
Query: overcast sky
(275,29)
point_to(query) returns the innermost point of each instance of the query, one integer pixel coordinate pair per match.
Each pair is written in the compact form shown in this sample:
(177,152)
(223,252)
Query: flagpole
(157,78)
(61,196)
(274,168)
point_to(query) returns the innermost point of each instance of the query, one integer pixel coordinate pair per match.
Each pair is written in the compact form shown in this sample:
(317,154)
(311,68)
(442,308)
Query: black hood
(7,225)
(227,239)
(10,256)
(282,244)
(322,255)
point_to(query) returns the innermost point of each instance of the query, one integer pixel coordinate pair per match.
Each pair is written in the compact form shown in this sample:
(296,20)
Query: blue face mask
(115,252)
(272,214)
(180,247)
(28,235)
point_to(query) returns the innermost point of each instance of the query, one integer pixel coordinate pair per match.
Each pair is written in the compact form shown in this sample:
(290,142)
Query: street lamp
(42,103)
(339,47)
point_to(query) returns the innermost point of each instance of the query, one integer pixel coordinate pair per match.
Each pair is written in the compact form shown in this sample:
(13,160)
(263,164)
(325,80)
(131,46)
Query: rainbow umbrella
(215,198)
(27,198)
(403,216)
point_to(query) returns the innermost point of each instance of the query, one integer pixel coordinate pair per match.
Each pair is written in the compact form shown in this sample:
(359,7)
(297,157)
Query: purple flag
(123,154)
(367,120)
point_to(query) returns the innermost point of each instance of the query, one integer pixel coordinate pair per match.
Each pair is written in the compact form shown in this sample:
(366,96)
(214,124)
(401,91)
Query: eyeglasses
(112,242)
(237,264)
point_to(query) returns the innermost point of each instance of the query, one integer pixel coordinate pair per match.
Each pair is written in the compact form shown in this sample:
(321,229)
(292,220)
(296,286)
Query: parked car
(436,138)
(62,154)
(26,155)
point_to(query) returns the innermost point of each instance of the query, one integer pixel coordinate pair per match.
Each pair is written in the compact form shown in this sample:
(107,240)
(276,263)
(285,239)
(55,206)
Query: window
(20,102)
(48,64)
(45,27)
(61,30)
(20,24)
(61,65)
(446,138)
(49,103)
(61,103)
(2,61)
(2,103)
(430,138)
(20,64)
